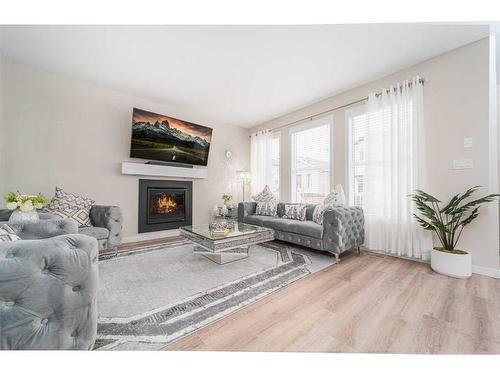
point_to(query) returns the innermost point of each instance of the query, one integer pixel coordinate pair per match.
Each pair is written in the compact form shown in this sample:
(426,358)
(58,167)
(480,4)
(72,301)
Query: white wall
(456,99)
(72,134)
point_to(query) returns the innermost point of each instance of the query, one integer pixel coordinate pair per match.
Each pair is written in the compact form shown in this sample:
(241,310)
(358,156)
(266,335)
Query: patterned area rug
(153,295)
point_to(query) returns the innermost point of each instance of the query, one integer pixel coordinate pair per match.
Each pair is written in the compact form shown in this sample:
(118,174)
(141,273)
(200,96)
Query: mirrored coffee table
(226,248)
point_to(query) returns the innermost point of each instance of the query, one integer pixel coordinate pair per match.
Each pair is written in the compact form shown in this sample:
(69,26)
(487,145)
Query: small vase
(19,216)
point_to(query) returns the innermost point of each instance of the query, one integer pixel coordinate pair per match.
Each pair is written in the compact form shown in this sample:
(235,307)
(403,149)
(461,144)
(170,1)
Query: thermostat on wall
(468,142)
(463,164)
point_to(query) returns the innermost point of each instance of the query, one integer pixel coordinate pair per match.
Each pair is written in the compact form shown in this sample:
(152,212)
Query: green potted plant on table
(448,223)
(24,206)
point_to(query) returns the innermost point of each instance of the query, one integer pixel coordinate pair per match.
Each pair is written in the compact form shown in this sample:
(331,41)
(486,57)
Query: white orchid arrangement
(25,202)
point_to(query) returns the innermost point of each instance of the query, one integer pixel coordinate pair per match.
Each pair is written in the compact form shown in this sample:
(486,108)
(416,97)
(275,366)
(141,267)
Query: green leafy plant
(448,222)
(24,202)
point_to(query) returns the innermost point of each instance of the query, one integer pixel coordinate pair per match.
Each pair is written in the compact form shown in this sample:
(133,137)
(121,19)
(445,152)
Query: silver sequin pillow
(295,211)
(267,209)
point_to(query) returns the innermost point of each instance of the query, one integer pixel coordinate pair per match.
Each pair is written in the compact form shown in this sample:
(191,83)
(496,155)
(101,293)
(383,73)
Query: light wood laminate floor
(368,303)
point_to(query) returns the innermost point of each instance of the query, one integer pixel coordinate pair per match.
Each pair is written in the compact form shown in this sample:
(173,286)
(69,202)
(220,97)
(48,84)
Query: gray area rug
(152,295)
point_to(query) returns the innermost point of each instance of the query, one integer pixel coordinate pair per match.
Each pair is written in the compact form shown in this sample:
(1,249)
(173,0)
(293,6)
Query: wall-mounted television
(167,139)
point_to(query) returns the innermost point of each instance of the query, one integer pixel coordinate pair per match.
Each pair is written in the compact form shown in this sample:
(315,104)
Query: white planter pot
(454,265)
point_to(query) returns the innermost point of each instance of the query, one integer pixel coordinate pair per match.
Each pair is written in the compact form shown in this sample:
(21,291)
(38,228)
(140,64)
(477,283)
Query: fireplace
(164,204)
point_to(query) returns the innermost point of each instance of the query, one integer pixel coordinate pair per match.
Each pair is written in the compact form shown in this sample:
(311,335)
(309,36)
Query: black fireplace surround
(164,204)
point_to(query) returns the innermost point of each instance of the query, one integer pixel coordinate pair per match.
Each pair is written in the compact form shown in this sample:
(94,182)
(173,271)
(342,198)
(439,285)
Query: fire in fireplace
(164,204)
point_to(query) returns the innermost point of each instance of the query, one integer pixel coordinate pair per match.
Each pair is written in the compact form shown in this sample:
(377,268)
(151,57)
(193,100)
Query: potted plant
(448,223)
(24,206)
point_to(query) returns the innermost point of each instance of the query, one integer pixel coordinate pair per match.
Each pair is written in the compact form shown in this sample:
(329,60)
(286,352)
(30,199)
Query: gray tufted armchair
(44,228)
(48,289)
(106,225)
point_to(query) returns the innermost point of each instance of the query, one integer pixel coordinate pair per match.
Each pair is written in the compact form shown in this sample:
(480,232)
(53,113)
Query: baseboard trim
(486,271)
(480,270)
(151,236)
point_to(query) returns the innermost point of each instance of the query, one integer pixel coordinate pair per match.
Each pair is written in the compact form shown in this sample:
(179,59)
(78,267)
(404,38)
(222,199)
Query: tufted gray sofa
(342,229)
(48,289)
(106,225)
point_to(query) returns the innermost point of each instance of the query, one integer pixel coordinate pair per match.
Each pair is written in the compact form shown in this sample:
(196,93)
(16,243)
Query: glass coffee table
(226,248)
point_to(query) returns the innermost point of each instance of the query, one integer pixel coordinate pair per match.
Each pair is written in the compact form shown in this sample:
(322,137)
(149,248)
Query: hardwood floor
(157,241)
(133,245)
(368,303)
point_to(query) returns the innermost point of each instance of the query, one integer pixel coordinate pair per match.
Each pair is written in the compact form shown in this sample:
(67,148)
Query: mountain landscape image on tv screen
(163,138)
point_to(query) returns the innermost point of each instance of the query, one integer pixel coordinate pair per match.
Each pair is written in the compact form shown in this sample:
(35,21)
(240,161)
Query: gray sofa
(106,225)
(342,229)
(48,288)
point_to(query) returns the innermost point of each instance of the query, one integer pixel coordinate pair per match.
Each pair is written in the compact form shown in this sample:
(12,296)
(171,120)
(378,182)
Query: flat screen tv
(162,138)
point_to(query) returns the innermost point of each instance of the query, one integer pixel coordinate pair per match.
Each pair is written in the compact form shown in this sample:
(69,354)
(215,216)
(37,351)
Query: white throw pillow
(68,205)
(7,234)
(336,197)
(265,195)
(295,211)
(267,209)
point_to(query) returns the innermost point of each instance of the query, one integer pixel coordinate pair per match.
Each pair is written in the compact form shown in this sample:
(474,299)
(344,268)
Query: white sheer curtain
(395,156)
(260,160)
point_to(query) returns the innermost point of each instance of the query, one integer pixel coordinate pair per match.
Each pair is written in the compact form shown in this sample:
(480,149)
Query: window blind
(311,163)
(357,122)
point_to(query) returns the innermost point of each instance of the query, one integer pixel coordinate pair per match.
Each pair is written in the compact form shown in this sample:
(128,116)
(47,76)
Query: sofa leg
(337,258)
(359,250)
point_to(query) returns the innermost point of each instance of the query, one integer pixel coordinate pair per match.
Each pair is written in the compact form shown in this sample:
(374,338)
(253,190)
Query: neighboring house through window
(356,120)
(310,174)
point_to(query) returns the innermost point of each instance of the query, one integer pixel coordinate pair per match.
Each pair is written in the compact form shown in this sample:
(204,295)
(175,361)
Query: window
(311,161)
(356,120)
(308,181)
(275,164)
(358,163)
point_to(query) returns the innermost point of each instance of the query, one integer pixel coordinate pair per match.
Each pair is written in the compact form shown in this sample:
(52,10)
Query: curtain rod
(310,118)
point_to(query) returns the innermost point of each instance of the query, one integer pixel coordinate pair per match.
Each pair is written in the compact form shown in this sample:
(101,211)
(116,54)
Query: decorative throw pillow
(265,195)
(267,209)
(295,211)
(318,212)
(7,234)
(336,197)
(68,205)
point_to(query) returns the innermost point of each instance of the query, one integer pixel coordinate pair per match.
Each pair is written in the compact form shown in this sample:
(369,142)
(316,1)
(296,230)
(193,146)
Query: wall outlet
(468,142)
(463,164)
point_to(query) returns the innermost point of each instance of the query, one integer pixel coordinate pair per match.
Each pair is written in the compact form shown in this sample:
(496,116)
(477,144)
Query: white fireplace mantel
(143,169)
